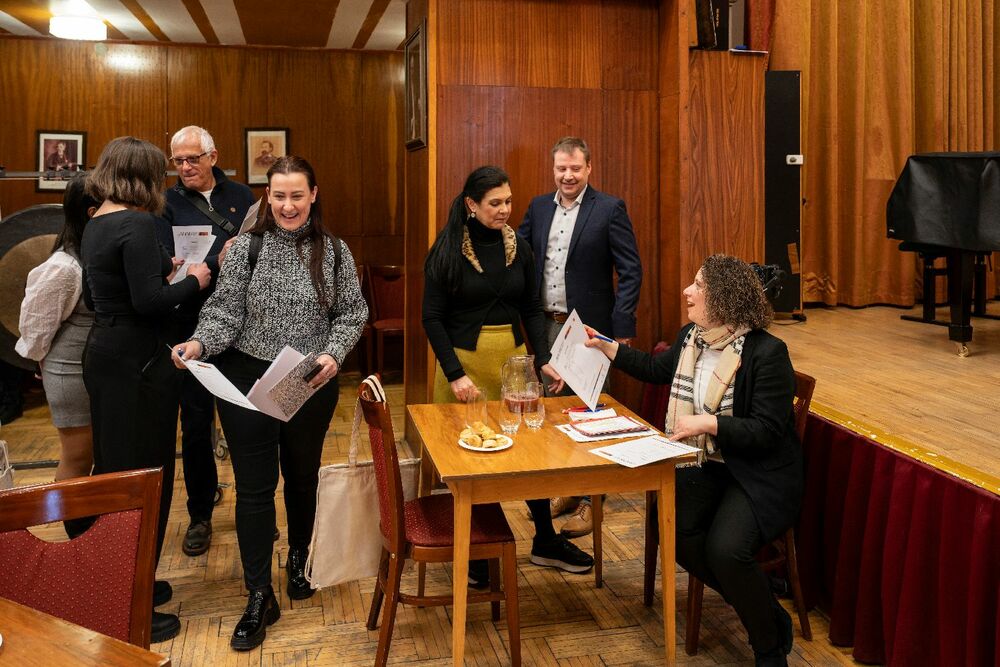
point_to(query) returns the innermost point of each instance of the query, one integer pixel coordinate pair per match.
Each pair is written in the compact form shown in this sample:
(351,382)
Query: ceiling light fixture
(78,27)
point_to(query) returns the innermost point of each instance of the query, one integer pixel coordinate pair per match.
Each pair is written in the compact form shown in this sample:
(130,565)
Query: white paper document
(576,436)
(251,216)
(191,243)
(585,416)
(583,368)
(257,398)
(635,453)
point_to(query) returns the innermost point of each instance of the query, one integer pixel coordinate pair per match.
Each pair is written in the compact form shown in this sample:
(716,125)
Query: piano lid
(947,199)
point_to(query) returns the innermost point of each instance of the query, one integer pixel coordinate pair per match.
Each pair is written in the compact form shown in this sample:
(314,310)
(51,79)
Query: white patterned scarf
(719,394)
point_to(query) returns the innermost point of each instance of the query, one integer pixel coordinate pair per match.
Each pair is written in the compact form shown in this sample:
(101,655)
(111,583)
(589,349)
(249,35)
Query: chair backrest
(655,396)
(804,386)
(385,460)
(385,285)
(102,579)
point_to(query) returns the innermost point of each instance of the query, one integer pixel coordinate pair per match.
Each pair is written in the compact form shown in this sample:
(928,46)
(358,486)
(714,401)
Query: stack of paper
(191,243)
(279,392)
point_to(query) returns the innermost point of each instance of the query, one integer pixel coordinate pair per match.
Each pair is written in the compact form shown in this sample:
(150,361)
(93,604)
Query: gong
(26,239)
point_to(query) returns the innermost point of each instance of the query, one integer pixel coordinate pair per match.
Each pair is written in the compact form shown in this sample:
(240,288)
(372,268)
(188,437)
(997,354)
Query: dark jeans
(133,389)
(259,445)
(718,540)
(197,422)
(201,479)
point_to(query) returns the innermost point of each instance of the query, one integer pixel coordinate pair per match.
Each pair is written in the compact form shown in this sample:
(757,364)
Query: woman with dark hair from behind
(731,397)
(126,367)
(479,287)
(54,324)
(300,290)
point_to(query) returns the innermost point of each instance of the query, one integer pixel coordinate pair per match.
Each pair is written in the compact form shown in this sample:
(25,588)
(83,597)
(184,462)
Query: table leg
(665,505)
(460,571)
(426,482)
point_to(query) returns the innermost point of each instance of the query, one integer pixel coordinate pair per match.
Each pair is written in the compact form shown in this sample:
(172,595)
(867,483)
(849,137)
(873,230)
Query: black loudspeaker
(782,194)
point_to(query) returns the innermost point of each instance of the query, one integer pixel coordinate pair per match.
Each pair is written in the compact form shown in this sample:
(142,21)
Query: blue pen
(604,338)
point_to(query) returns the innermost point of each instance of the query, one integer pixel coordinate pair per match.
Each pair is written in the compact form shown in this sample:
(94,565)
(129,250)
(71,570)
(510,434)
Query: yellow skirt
(494,346)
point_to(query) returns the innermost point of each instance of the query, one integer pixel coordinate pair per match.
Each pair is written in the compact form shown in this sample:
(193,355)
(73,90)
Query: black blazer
(603,243)
(758,442)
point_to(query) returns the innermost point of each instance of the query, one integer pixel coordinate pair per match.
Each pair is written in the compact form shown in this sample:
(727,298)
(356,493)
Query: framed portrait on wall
(415,88)
(264,145)
(60,152)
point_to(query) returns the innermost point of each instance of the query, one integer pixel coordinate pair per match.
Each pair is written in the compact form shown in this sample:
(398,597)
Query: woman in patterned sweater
(300,290)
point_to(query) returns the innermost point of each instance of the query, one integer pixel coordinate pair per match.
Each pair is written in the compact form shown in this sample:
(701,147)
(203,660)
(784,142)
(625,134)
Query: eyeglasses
(179,161)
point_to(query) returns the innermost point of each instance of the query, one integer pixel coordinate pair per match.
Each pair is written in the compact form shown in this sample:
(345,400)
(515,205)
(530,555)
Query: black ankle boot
(164,627)
(262,611)
(298,587)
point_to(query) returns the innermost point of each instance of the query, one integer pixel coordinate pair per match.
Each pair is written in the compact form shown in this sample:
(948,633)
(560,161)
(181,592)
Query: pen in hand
(604,338)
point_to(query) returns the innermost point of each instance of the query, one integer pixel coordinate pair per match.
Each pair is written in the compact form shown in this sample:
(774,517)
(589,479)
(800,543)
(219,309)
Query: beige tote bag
(346,541)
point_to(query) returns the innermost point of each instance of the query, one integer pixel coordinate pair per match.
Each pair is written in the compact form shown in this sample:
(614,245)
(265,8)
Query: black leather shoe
(165,626)
(298,587)
(262,611)
(784,628)
(162,592)
(198,538)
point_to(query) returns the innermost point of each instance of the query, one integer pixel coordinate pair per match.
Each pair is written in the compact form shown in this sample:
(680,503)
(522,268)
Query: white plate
(505,443)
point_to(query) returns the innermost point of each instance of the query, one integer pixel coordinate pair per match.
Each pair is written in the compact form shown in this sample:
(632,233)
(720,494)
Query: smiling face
(290,199)
(694,296)
(493,211)
(571,172)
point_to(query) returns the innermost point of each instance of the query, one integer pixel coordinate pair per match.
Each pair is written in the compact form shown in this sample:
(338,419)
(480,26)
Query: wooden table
(544,462)
(32,637)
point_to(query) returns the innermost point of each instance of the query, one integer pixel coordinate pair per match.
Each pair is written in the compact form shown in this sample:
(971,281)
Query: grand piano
(948,205)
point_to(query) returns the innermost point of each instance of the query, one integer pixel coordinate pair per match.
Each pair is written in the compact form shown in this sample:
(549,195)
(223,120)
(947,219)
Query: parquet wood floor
(565,620)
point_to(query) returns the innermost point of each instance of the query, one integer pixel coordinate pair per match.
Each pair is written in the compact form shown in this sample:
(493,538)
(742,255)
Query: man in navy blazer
(581,238)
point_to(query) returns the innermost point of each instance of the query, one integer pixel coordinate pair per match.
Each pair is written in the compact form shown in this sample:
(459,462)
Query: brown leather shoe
(580,523)
(198,538)
(560,506)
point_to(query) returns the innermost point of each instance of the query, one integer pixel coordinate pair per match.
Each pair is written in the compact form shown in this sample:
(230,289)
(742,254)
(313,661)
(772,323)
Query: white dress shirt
(556,253)
(53,290)
(703,369)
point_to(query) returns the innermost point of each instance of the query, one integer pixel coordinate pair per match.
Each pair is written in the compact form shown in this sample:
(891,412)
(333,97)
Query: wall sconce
(78,27)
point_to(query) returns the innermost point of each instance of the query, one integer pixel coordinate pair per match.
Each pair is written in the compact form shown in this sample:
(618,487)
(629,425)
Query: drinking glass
(533,408)
(510,414)
(475,409)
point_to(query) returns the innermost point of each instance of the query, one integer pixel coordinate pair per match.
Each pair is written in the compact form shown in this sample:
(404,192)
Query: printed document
(635,453)
(576,436)
(191,243)
(285,370)
(583,368)
(251,216)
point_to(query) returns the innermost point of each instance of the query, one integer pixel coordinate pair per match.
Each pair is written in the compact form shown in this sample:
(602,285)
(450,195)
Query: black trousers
(259,445)
(133,389)
(201,479)
(718,540)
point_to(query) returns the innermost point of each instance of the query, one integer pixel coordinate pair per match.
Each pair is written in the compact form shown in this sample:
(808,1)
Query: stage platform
(904,382)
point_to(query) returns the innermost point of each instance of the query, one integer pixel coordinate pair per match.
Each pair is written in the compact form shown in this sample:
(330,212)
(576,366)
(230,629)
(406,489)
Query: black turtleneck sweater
(500,295)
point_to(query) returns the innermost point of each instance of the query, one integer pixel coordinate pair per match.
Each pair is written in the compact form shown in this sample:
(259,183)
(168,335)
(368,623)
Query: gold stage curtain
(883,80)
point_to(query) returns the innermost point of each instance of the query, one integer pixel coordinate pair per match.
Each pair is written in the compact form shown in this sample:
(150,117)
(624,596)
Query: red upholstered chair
(423,530)
(653,410)
(385,284)
(103,579)
(779,554)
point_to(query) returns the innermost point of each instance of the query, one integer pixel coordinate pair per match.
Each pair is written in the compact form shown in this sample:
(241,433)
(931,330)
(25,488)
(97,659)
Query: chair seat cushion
(430,522)
(392,324)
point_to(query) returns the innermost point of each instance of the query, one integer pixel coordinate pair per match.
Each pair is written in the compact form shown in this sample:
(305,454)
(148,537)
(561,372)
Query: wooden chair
(422,530)
(101,580)
(653,410)
(780,553)
(385,284)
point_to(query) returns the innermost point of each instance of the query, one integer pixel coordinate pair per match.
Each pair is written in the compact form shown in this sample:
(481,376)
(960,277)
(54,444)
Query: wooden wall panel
(106,90)
(726,131)
(342,108)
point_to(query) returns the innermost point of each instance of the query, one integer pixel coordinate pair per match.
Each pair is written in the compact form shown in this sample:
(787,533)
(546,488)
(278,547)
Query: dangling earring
(472,214)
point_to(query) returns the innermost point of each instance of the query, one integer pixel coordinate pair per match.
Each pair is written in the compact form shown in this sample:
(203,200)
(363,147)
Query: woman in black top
(731,396)
(126,365)
(479,287)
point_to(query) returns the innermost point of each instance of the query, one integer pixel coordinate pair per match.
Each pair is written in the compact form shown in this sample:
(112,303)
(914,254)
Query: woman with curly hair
(732,388)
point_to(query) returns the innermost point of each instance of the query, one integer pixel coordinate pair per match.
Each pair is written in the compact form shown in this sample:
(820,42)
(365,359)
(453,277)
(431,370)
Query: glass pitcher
(519,384)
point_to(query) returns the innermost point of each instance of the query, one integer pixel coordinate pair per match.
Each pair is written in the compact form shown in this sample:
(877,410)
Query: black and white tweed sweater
(278,306)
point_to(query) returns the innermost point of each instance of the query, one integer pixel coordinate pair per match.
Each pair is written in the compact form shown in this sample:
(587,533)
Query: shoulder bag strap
(202,205)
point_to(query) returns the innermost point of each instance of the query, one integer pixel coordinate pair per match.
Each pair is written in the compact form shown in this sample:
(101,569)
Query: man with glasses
(202,196)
